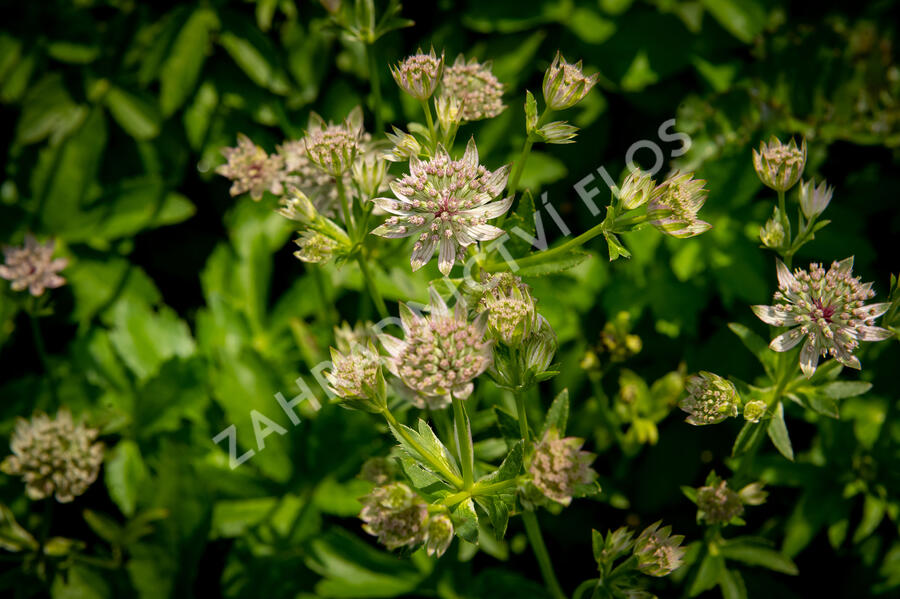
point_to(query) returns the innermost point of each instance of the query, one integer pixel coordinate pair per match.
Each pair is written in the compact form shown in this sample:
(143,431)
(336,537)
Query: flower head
(674,205)
(510,307)
(565,85)
(394,514)
(476,88)
(54,456)
(711,399)
(754,410)
(827,309)
(772,234)
(438,535)
(445,204)
(540,347)
(716,503)
(636,189)
(252,170)
(441,354)
(333,148)
(369,174)
(32,266)
(419,74)
(559,467)
(814,200)
(780,165)
(658,551)
(356,378)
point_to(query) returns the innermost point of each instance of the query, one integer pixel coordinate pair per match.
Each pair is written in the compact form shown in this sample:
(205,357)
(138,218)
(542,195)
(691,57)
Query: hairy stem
(533,530)
(464,442)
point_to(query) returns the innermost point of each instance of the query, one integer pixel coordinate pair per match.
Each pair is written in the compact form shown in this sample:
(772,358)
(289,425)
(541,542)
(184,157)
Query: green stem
(375,83)
(519,168)
(546,255)
(345,207)
(432,132)
(42,351)
(464,442)
(587,585)
(374,293)
(436,464)
(521,414)
(786,224)
(533,530)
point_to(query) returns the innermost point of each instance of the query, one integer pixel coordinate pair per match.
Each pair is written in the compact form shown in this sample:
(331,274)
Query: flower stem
(432,132)
(786,224)
(464,442)
(545,256)
(345,207)
(436,464)
(533,530)
(374,294)
(523,157)
(375,83)
(41,348)
(521,414)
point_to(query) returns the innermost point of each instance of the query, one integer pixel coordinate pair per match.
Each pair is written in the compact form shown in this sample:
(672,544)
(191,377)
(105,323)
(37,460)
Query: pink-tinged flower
(658,551)
(334,147)
(565,84)
(711,399)
(419,74)
(559,467)
(474,85)
(355,377)
(827,309)
(252,170)
(718,504)
(780,165)
(445,204)
(814,200)
(510,306)
(674,205)
(32,266)
(441,354)
(396,515)
(54,456)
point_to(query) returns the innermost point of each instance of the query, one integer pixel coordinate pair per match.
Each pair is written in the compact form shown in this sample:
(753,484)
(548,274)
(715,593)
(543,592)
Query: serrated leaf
(558,414)
(465,521)
(778,433)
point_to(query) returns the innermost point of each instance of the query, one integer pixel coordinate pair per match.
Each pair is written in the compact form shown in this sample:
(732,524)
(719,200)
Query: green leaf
(757,552)
(744,20)
(507,423)
(844,389)
(145,338)
(80,582)
(531,116)
(254,54)
(616,249)
(465,521)
(180,71)
(708,575)
(732,585)
(138,116)
(757,346)
(778,433)
(48,111)
(750,433)
(874,509)
(106,528)
(558,414)
(124,474)
(555,264)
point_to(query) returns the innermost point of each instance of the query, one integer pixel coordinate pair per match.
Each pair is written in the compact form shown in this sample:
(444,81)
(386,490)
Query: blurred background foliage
(185,309)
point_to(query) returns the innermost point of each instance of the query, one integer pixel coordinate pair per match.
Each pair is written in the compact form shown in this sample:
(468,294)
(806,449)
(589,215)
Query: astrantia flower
(814,200)
(565,85)
(356,378)
(347,338)
(827,309)
(510,308)
(251,169)
(717,504)
(636,189)
(334,147)
(558,466)
(711,399)
(394,514)
(438,535)
(772,234)
(54,456)
(658,551)
(674,205)
(315,247)
(303,174)
(445,204)
(780,165)
(419,74)
(32,266)
(476,88)
(441,354)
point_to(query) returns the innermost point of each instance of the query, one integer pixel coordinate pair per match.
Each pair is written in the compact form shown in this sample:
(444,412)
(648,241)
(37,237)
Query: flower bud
(565,85)
(753,494)
(394,514)
(716,503)
(636,189)
(658,551)
(438,535)
(478,91)
(315,248)
(540,348)
(252,170)
(333,148)
(449,112)
(814,200)
(711,399)
(558,132)
(356,379)
(419,74)
(754,410)
(780,165)
(674,205)
(772,234)
(510,308)
(368,174)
